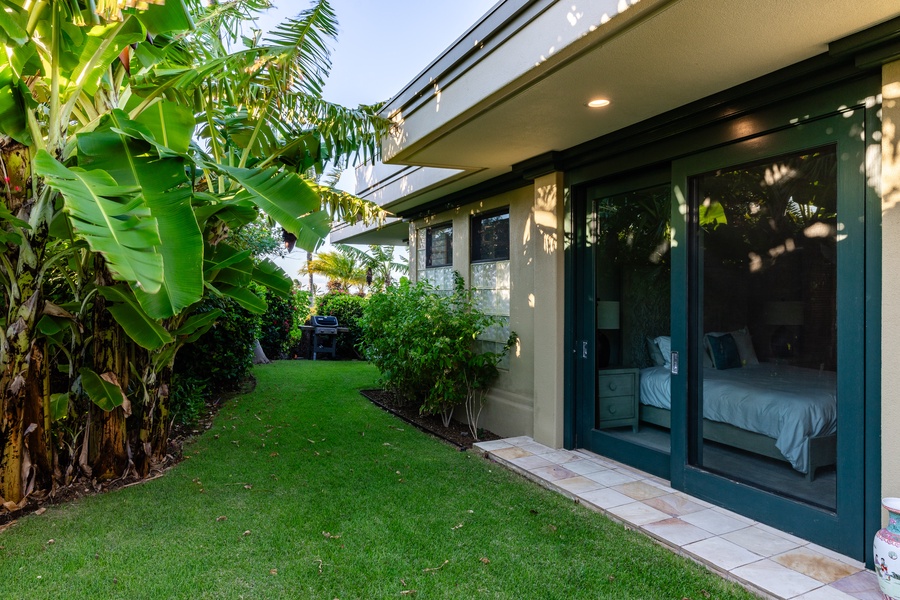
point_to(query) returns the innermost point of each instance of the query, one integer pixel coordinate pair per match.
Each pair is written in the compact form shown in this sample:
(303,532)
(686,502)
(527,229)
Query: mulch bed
(457,433)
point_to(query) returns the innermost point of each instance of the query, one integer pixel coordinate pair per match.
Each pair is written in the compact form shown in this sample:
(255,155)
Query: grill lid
(324,321)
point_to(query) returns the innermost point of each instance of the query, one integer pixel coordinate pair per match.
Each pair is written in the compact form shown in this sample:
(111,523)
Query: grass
(303,489)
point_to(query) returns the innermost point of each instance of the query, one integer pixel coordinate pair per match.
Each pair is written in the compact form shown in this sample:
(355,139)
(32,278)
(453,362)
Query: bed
(783,412)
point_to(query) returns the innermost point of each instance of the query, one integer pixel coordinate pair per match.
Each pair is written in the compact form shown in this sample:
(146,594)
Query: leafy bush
(276,326)
(223,356)
(302,311)
(187,398)
(348,308)
(423,344)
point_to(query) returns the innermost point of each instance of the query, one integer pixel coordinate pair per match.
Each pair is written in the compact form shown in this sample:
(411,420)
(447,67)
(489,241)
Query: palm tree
(342,270)
(379,264)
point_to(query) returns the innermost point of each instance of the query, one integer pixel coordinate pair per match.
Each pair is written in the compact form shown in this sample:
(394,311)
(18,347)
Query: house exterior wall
(510,407)
(890,194)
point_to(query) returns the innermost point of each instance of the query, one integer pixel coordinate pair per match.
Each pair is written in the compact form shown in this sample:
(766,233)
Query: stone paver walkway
(765,560)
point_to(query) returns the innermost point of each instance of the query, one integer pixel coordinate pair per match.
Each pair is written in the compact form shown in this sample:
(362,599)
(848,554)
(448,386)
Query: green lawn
(303,489)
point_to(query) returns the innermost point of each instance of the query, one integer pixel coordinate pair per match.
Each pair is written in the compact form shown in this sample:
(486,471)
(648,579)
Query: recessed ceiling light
(598,103)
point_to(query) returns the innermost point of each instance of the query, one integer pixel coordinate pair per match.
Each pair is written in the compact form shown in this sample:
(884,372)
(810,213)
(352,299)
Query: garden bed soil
(457,433)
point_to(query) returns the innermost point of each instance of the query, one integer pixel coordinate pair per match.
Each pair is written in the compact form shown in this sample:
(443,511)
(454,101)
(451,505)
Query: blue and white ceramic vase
(887,551)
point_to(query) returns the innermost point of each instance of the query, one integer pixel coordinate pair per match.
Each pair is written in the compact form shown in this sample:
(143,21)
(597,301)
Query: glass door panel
(768,397)
(768,315)
(631,273)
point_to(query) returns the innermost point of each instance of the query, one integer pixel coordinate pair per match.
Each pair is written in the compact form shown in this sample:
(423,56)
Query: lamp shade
(607,314)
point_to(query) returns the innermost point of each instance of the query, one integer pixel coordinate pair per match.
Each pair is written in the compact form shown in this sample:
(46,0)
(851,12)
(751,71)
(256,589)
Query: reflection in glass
(633,277)
(768,245)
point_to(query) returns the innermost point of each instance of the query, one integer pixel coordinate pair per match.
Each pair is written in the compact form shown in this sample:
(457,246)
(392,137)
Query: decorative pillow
(745,347)
(664,343)
(707,360)
(655,355)
(723,351)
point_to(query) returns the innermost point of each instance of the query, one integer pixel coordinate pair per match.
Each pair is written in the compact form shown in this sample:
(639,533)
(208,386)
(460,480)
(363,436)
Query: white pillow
(744,344)
(664,343)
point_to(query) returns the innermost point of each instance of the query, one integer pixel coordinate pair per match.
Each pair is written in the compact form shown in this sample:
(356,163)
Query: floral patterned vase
(887,551)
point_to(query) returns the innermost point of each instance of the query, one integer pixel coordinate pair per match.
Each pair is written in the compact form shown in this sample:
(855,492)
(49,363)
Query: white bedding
(789,404)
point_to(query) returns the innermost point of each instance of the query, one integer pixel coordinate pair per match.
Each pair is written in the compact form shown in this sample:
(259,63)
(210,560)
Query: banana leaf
(140,327)
(103,393)
(113,219)
(120,147)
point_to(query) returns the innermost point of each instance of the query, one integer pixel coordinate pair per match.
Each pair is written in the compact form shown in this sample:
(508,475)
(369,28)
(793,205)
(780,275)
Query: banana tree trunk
(20,367)
(153,436)
(108,445)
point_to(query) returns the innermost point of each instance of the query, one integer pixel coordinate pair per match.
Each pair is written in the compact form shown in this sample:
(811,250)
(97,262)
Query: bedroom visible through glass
(766,403)
(633,296)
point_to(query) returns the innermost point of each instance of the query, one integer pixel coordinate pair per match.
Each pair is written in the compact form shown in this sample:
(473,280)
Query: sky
(382,45)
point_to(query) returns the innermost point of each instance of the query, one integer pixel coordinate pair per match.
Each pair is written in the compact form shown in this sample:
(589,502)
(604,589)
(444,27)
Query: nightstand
(618,391)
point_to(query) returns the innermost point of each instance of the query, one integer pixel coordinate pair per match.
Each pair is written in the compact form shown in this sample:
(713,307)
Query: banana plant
(133,141)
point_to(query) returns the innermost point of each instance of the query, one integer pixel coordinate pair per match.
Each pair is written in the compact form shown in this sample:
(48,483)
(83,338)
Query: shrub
(223,356)
(423,344)
(348,308)
(187,398)
(302,311)
(276,326)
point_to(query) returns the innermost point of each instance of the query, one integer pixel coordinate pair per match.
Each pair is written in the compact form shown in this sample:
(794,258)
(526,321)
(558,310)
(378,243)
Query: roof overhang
(517,84)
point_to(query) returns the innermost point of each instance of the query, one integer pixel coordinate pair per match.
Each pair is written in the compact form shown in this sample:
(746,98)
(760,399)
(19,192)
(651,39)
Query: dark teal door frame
(842,529)
(747,116)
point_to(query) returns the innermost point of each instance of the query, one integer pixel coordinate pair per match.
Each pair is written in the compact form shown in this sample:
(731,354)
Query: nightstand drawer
(615,384)
(617,408)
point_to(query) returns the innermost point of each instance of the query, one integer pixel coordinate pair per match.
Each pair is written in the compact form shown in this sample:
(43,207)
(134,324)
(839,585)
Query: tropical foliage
(342,270)
(135,143)
(423,344)
(379,264)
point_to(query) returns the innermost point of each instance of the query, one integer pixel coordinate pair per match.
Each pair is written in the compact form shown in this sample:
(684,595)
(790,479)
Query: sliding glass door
(625,275)
(768,320)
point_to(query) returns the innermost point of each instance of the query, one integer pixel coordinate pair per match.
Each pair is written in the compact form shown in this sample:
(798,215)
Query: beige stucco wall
(548,303)
(509,410)
(890,346)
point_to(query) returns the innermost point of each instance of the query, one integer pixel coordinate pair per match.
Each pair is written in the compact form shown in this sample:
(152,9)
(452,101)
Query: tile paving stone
(552,472)
(609,478)
(784,534)
(530,462)
(815,564)
(560,457)
(714,521)
(747,521)
(492,445)
(578,484)
(520,440)
(674,504)
(640,490)
(722,553)
(838,557)
(582,466)
(776,579)
(638,513)
(535,448)
(677,532)
(605,498)
(759,540)
(510,453)
(862,586)
(752,552)
(825,593)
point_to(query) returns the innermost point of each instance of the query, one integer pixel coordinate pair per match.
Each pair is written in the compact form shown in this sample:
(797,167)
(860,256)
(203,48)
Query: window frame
(474,222)
(429,264)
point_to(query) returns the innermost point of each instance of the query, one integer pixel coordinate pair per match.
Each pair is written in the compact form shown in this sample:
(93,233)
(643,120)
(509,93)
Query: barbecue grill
(324,339)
